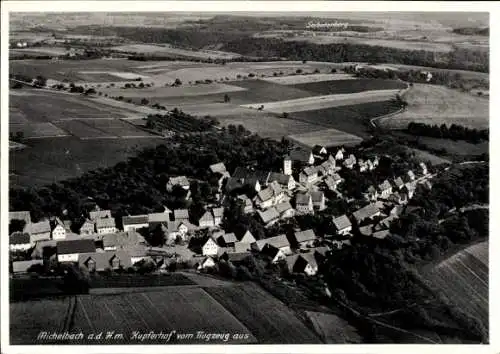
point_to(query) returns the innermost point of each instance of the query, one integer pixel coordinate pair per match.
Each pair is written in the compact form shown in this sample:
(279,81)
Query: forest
(454,132)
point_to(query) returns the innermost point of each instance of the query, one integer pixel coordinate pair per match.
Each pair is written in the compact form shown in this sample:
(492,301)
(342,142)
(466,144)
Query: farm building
(87,228)
(100,261)
(369,211)
(287,165)
(302,156)
(269,196)
(219,168)
(269,216)
(308,175)
(135,222)
(318,199)
(304,203)
(122,240)
(366,230)
(246,237)
(227,240)
(284,180)
(159,217)
(19,241)
(210,248)
(105,225)
(69,250)
(20,215)
(285,210)
(384,189)
(181,215)
(305,238)
(38,231)
(235,258)
(342,225)
(218,214)
(19,267)
(381,234)
(99,214)
(320,253)
(280,242)
(206,220)
(181,181)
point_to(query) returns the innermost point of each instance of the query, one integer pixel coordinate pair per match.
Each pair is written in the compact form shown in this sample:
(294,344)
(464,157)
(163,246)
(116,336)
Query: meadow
(325,137)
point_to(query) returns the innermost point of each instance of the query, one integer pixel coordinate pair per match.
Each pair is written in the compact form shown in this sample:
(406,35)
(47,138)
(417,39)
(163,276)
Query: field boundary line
(401,93)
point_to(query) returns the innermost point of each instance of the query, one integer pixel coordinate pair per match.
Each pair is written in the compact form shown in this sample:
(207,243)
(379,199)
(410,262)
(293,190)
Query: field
(37,130)
(434,104)
(126,280)
(332,329)
(303,79)
(350,86)
(428,157)
(149,49)
(463,278)
(56,51)
(266,317)
(325,137)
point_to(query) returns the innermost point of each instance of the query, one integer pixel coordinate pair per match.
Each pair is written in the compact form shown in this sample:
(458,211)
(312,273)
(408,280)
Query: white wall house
(210,248)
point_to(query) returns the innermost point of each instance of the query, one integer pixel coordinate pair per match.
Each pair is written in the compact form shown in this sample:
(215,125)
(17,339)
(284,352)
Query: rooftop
(341,222)
(135,220)
(105,222)
(75,246)
(365,212)
(304,236)
(218,168)
(181,214)
(268,215)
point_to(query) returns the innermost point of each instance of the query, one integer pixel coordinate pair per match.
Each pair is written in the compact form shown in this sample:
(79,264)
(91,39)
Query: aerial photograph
(248,178)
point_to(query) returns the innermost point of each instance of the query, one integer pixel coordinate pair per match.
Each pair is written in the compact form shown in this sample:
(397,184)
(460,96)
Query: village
(308,176)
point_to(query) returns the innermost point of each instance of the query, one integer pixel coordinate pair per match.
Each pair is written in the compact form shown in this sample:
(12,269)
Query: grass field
(304,79)
(434,104)
(422,155)
(134,280)
(326,137)
(268,319)
(38,130)
(150,49)
(350,86)
(332,329)
(463,278)
(40,51)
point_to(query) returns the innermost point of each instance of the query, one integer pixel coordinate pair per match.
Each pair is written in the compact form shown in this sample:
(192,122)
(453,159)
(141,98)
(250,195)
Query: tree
(177,82)
(40,81)
(285,115)
(227,99)
(144,101)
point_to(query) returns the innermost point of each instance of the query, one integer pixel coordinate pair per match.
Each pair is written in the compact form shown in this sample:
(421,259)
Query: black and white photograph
(265,176)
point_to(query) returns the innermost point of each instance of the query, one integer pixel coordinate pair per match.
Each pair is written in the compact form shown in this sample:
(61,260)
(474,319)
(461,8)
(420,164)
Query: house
(339,244)
(409,189)
(285,210)
(38,231)
(318,199)
(218,214)
(275,254)
(269,196)
(398,183)
(287,165)
(227,240)
(384,189)
(305,238)
(398,198)
(333,181)
(99,214)
(159,217)
(250,177)
(342,225)
(423,168)
(306,263)
(210,247)
(105,225)
(397,210)
(205,263)
(57,229)
(206,220)
(381,234)
(385,224)
(280,242)
(87,228)
(101,261)
(369,211)
(366,230)
(181,181)
(242,247)
(135,222)
(269,216)
(371,194)
(350,161)
(235,258)
(290,262)
(409,176)
(302,156)
(320,253)
(122,241)
(304,203)
(427,184)
(308,175)
(19,241)
(69,250)
(219,168)
(181,215)
(328,167)
(246,204)
(26,266)
(174,230)
(375,162)
(319,150)
(284,180)
(246,237)
(340,154)
(20,215)
(369,164)
(362,165)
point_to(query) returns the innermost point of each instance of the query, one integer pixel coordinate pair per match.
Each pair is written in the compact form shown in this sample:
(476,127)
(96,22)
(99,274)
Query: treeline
(454,132)
(472,31)
(459,58)
(179,121)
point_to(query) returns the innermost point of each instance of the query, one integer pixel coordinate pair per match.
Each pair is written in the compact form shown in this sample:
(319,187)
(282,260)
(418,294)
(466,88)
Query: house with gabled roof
(100,261)
(99,214)
(369,211)
(181,215)
(227,240)
(366,230)
(69,250)
(269,216)
(350,161)
(285,181)
(319,150)
(19,241)
(409,189)
(122,241)
(87,228)
(218,214)
(369,165)
(204,262)
(371,194)
(246,204)
(250,177)
(280,242)
(210,247)
(20,215)
(57,229)
(320,253)
(340,154)
(269,196)
(246,237)
(305,238)
(308,175)
(362,165)
(423,168)
(181,181)
(159,217)
(105,225)
(218,168)
(381,234)
(398,183)
(38,231)
(333,181)
(275,254)
(328,167)
(306,263)
(285,210)
(342,225)
(302,156)
(206,220)
(235,258)
(384,189)
(318,199)
(304,203)
(135,222)
(398,198)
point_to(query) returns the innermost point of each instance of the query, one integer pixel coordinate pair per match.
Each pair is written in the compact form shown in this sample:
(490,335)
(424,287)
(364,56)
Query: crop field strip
(306,79)
(350,86)
(332,329)
(325,137)
(266,317)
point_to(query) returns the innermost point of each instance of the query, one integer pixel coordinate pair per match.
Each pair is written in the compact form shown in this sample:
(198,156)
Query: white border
(252,6)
